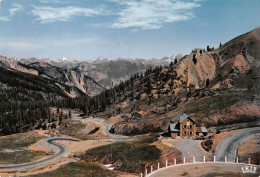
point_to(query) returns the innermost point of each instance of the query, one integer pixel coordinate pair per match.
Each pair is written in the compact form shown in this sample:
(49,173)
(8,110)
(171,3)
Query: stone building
(186,127)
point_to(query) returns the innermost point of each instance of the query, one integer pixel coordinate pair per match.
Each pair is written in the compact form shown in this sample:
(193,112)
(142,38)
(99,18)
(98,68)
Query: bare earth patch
(169,152)
(82,146)
(114,119)
(250,149)
(216,139)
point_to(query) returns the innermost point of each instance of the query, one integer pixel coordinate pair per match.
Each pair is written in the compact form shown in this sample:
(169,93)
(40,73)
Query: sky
(88,29)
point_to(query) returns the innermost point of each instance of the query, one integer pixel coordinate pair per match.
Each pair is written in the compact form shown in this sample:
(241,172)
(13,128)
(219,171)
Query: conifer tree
(69,113)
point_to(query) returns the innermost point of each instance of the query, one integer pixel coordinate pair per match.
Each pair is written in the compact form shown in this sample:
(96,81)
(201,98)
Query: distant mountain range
(76,78)
(215,87)
(103,70)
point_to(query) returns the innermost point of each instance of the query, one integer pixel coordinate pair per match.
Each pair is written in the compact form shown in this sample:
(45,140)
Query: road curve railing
(150,171)
(58,149)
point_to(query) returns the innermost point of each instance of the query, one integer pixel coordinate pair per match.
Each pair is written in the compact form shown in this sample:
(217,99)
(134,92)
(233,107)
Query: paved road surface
(59,149)
(189,148)
(229,145)
(206,170)
(107,127)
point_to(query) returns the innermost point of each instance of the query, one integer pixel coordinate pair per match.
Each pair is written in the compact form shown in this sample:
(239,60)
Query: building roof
(204,129)
(183,117)
(201,130)
(173,128)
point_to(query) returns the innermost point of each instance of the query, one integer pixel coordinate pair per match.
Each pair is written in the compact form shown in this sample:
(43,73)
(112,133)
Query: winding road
(106,126)
(59,149)
(229,145)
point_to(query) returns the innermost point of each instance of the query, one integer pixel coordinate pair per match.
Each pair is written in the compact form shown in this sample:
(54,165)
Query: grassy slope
(78,169)
(16,146)
(126,156)
(22,156)
(19,141)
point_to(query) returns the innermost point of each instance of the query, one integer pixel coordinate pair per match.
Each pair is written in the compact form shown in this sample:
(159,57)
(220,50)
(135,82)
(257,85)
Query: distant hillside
(72,78)
(215,87)
(105,71)
(69,82)
(19,86)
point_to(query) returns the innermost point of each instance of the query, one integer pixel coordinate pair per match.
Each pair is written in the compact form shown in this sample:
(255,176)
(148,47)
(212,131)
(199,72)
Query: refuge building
(186,127)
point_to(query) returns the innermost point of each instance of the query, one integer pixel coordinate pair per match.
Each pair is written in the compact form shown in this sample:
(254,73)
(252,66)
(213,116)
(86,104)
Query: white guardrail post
(184,162)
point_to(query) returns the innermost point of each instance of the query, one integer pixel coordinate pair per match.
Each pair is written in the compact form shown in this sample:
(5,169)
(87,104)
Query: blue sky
(87,29)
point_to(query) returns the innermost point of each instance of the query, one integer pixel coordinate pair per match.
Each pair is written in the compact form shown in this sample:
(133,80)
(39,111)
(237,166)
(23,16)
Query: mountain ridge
(216,87)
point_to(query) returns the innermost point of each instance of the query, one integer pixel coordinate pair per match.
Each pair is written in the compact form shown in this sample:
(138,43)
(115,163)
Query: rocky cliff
(72,83)
(107,72)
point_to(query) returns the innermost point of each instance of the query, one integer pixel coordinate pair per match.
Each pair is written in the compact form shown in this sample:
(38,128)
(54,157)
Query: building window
(190,133)
(190,127)
(184,133)
(184,126)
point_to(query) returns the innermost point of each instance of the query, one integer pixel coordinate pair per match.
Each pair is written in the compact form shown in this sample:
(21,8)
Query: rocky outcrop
(129,129)
(78,81)
(13,64)
(105,71)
